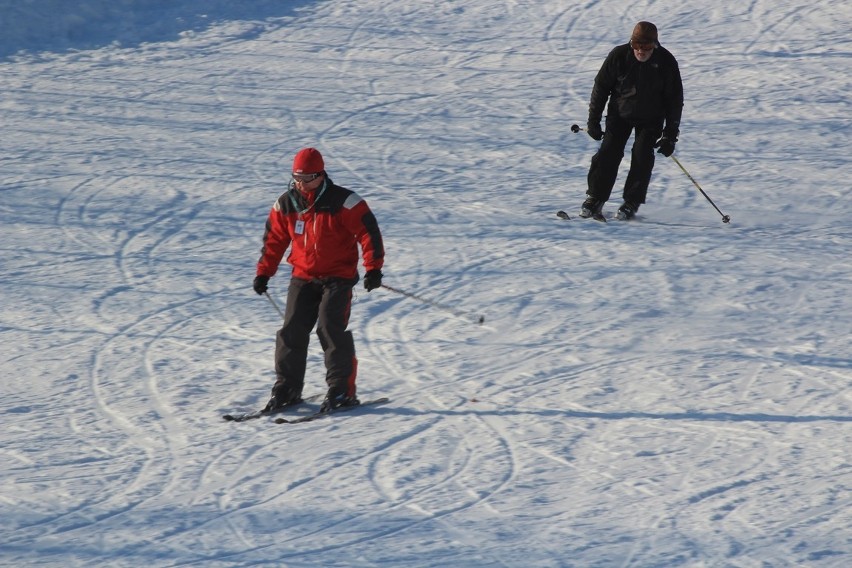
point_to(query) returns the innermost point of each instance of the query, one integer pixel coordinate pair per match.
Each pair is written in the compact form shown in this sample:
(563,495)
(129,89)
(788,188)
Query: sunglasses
(642,45)
(305,178)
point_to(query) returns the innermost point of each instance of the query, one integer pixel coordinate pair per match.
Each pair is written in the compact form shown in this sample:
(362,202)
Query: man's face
(642,50)
(307,183)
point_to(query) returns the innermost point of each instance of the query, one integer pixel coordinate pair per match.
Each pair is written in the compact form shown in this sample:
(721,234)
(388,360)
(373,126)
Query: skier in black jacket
(641,80)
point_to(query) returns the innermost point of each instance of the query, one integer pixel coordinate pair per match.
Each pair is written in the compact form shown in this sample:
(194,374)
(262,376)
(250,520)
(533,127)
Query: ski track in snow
(667,392)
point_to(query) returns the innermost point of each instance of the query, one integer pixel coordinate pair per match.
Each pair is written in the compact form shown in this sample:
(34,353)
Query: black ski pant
(605,162)
(326,304)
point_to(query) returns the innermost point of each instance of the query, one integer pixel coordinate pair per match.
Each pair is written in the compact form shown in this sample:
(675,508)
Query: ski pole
(274,303)
(456,312)
(725,218)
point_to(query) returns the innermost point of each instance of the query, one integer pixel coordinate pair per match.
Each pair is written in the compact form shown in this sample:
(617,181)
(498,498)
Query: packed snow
(672,391)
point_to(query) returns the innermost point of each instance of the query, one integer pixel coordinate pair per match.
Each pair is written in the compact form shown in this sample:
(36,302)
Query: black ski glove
(260,283)
(666,146)
(593,129)
(373,279)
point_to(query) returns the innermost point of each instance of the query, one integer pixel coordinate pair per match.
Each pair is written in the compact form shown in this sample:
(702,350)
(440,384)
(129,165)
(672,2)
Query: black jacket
(640,93)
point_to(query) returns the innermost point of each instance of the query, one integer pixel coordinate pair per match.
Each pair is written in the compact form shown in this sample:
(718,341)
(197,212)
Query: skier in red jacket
(323,224)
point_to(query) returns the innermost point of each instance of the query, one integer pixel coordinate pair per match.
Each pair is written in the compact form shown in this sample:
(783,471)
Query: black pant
(605,162)
(327,304)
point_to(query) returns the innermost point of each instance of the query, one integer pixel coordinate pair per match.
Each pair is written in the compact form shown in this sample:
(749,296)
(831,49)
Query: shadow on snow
(58,25)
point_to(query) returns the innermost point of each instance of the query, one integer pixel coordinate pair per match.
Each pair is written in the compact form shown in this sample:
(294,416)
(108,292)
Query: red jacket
(323,231)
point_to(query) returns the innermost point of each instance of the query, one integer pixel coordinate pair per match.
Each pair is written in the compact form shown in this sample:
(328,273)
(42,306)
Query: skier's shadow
(389,408)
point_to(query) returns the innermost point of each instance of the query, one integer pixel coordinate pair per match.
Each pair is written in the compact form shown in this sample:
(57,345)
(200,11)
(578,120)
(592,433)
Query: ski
(319,414)
(261,413)
(596,216)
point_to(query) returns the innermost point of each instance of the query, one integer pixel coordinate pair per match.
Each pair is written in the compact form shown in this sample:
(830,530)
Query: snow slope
(668,392)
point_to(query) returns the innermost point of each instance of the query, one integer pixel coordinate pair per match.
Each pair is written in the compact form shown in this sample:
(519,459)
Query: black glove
(593,129)
(666,146)
(373,279)
(260,283)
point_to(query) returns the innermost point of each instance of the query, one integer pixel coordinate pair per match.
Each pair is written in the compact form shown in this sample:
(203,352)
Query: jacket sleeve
(673,102)
(604,83)
(276,239)
(372,245)
(365,227)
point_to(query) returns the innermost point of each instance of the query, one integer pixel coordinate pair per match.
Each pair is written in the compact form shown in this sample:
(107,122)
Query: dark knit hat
(644,32)
(308,161)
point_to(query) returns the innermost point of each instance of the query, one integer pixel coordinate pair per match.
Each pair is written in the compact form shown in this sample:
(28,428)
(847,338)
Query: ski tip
(238,417)
(243,417)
